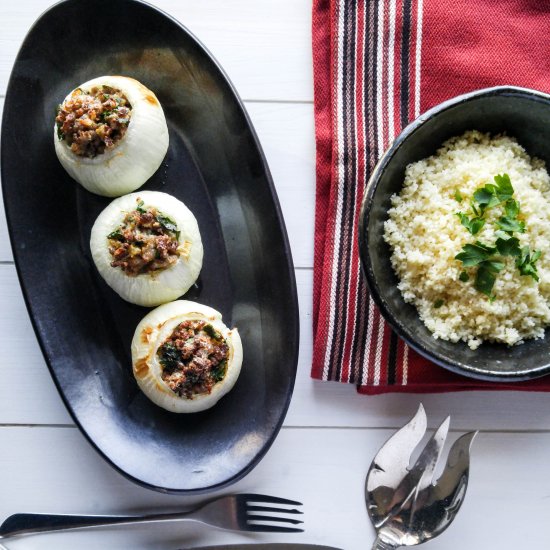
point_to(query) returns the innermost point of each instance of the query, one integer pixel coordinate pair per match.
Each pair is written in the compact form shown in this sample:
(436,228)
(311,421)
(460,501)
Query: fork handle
(381,545)
(26,524)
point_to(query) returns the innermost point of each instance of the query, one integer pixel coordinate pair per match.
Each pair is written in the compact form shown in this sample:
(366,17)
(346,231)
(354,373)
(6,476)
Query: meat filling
(93,122)
(145,242)
(193,358)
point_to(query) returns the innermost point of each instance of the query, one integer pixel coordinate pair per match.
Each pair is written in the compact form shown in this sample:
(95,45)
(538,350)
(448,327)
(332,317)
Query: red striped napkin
(377,65)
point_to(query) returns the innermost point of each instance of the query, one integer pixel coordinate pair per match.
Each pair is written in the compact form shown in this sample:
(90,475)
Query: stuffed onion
(147,246)
(184,357)
(110,135)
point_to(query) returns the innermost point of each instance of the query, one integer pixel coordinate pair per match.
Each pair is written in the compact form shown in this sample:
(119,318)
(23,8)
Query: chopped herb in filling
(145,242)
(95,121)
(193,358)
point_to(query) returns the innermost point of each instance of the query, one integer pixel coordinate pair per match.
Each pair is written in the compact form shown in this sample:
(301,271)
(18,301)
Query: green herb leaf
(486,276)
(487,248)
(508,247)
(526,262)
(511,207)
(116,235)
(218,372)
(494,266)
(438,303)
(504,189)
(60,134)
(212,332)
(458,196)
(486,197)
(490,195)
(140,208)
(166,222)
(464,277)
(510,225)
(474,254)
(473,225)
(169,356)
(103,116)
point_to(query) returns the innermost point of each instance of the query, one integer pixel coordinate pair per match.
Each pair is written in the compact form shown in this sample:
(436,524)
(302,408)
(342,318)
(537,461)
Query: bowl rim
(453,365)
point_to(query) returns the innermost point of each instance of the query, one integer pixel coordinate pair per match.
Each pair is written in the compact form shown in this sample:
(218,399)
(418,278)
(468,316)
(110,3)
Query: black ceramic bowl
(521,113)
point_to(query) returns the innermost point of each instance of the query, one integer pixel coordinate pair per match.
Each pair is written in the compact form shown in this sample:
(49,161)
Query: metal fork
(404,504)
(243,512)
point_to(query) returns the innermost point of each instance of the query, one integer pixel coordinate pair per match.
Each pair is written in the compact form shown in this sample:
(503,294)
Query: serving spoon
(404,505)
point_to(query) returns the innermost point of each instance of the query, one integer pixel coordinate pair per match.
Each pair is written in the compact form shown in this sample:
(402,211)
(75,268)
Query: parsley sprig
(483,257)
(488,259)
(525,262)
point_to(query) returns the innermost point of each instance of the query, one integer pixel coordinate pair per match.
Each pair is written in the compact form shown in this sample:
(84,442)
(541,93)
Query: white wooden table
(330,434)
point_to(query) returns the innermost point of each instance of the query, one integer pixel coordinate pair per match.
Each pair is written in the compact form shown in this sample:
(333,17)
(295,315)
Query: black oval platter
(216,166)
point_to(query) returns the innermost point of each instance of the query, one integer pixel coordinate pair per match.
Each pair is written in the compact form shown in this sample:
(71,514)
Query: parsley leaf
(116,235)
(474,254)
(490,195)
(480,255)
(473,225)
(458,196)
(166,222)
(508,247)
(486,197)
(486,276)
(510,225)
(526,262)
(504,187)
(169,356)
(511,207)
(476,210)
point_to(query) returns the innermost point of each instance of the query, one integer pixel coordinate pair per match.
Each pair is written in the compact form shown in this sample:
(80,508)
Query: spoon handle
(381,545)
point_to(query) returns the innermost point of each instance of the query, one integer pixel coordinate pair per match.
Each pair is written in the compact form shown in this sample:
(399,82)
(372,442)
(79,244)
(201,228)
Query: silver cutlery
(404,504)
(243,512)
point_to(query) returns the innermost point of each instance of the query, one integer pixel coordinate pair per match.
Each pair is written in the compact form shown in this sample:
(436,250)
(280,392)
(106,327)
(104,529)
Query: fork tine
(252,497)
(273,529)
(277,519)
(458,464)
(272,509)
(429,457)
(391,463)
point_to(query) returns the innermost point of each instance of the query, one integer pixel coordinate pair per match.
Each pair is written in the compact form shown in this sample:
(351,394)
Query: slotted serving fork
(242,512)
(404,504)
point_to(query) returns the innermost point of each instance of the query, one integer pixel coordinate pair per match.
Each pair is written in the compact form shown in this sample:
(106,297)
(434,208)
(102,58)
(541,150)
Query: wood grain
(323,468)
(263,45)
